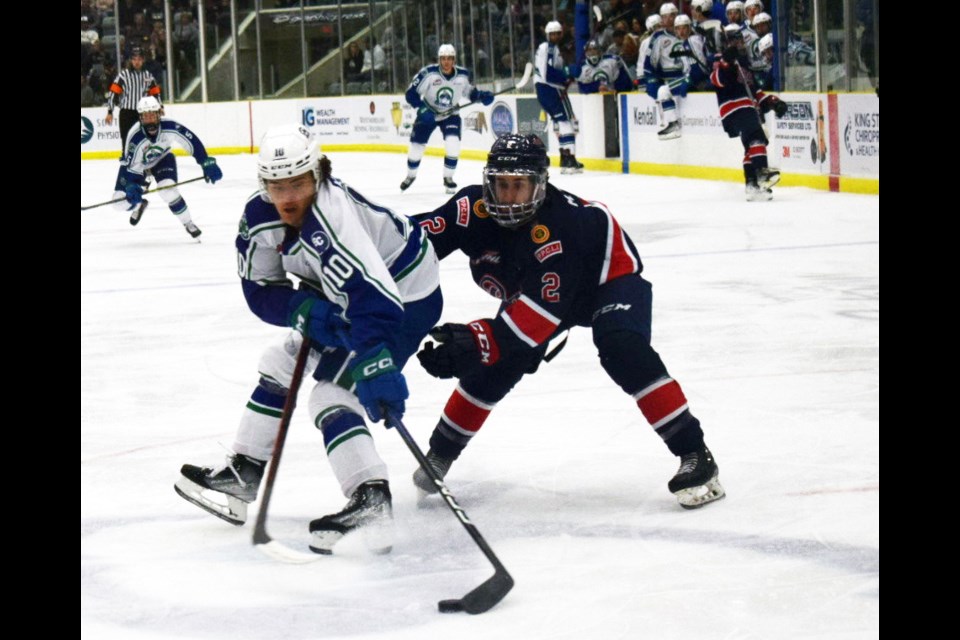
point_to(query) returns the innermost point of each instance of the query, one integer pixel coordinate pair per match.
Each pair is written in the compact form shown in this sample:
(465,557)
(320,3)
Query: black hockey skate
(696,482)
(449,185)
(767,177)
(369,510)
(406,183)
(670,131)
(237,481)
(193,230)
(425,486)
(569,163)
(138,213)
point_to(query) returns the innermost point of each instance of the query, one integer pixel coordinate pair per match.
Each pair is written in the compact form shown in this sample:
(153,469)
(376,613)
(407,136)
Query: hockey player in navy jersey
(435,93)
(555,261)
(369,292)
(742,105)
(149,152)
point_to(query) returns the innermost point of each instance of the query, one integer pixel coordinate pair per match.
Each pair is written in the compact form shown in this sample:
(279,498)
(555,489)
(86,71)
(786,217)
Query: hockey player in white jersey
(551,78)
(369,292)
(760,26)
(435,92)
(663,73)
(697,61)
(149,152)
(602,73)
(653,25)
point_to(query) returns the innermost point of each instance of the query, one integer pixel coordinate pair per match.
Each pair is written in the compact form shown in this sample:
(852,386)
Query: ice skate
(767,177)
(756,194)
(696,482)
(568,162)
(425,486)
(192,229)
(236,483)
(449,185)
(138,212)
(670,131)
(406,183)
(369,510)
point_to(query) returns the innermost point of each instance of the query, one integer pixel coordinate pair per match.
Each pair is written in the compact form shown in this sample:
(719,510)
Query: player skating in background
(663,73)
(369,292)
(551,80)
(435,92)
(149,152)
(556,261)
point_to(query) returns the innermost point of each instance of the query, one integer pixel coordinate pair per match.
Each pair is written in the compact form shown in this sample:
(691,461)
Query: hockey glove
(485,98)
(730,55)
(462,350)
(779,107)
(318,320)
(380,385)
(134,193)
(211,172)
(426,116)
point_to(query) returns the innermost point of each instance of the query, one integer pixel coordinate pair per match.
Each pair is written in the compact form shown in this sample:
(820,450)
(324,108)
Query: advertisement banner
(532,120)
(96,134)
(798,140)
(858,120)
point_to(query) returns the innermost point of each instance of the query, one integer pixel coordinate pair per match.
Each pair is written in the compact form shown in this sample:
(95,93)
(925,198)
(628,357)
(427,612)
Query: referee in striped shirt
(128,87)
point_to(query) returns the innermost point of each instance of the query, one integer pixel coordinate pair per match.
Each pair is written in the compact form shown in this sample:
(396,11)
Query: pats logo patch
(319,241)
(548,250)
(480,209)
(244,230)
(539,234)
(463,211)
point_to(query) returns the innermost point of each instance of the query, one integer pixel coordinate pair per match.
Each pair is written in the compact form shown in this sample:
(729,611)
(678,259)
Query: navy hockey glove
(779,107)
(318,320)
(134,193)
(211,172)
(380,385)
(485,98)
(462,350)
(426,116)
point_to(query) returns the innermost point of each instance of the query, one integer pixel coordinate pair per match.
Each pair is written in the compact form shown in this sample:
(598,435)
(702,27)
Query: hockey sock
(260,421)
(414,155)
(665,408)
(452,154)
(566,136)
(462,418)
(350,449)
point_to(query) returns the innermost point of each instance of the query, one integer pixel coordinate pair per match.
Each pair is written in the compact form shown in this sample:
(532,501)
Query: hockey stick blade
(115,200)
(483,598)
(282,553)
(525,78)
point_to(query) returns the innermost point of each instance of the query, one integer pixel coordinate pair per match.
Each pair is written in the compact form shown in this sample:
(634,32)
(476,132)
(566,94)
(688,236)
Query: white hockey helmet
(147,105)
(653,22)
(553,27)
(753,3)
(446,50)
(762,18)
(765,44)
(735,5)
(667,8)
(682,19)
(287,151)
(705,6)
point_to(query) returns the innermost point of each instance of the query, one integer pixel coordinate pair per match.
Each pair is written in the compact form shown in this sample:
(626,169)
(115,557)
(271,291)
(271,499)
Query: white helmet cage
(287,151)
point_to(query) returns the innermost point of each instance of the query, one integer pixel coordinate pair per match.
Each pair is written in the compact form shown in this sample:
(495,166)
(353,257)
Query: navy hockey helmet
(515,156)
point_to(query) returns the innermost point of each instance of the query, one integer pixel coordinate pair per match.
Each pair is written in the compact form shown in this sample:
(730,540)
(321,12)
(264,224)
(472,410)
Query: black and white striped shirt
(129,86)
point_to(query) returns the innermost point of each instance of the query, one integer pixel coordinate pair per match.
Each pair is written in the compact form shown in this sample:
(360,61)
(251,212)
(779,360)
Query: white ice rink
(767,313)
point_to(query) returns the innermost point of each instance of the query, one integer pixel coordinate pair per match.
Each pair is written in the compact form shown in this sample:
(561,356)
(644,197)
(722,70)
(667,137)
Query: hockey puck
(450,606)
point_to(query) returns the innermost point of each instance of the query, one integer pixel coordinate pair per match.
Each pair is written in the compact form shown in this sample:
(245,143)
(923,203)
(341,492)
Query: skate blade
(696,497)
(234,512)
(668,136)
(770,181)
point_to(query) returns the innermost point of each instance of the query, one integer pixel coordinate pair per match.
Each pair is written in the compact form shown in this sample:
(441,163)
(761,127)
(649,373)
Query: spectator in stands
(88,35)
(353,63)
(374,59)
(87,97)
(186,37)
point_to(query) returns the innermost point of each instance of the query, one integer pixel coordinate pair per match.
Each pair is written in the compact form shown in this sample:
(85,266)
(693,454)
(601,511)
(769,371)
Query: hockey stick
(495,588)
(261,539)
(524,79)
(169,186)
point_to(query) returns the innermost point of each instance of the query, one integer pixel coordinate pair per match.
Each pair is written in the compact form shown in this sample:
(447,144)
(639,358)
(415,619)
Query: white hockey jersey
(439,92)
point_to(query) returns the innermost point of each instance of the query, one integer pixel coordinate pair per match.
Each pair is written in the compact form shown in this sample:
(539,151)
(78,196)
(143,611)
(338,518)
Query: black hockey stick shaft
(495,588)
(115,200)
(260,535)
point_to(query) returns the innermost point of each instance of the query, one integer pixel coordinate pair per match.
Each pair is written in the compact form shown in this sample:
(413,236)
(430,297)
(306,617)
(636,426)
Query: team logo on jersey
(539,234)
(244,229)
(548,250)
(152,153)
(86,130)
(444,98)
(480,209)
(463,211)
(319,241)
(492,286)
(489,257)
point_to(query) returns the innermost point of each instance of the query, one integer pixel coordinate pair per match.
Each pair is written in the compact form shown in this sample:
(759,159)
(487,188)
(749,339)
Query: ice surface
(767,313)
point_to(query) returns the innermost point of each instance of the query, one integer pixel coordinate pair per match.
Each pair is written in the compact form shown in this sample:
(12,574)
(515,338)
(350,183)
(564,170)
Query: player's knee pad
(169,195)
(452,145)
(664,94)
(330,403)
(415,154)
(565,127)
(629,360)
(278,361)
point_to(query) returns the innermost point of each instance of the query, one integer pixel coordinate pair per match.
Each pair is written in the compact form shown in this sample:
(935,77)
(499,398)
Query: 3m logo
(786,152)
(463,211)
(548,250)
